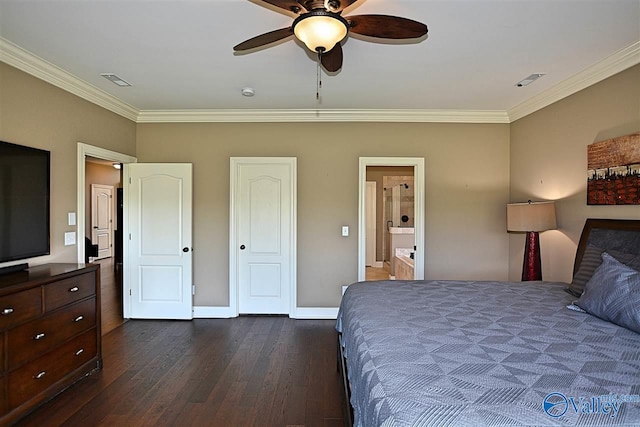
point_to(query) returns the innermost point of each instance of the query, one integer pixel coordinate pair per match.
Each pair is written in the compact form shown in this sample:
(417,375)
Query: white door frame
(85,150)
(235,162)
(419,207)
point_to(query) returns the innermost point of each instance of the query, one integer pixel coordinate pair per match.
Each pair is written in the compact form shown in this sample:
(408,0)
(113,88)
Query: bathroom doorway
(399,218)
(398,214)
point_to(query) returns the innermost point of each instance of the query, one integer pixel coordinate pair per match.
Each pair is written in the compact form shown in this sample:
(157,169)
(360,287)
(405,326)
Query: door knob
(242,247)
(185,249)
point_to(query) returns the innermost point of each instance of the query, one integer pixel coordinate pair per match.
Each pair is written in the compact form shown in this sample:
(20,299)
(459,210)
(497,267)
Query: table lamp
(531,217)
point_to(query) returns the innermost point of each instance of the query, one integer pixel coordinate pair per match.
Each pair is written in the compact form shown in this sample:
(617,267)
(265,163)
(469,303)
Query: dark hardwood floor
(248,371)
(110,295)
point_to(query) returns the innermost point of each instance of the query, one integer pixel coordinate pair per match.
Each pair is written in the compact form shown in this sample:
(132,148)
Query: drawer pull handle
(79,318)
(39,336)
(40,375)
(74,289)
(79,352)
(7,311)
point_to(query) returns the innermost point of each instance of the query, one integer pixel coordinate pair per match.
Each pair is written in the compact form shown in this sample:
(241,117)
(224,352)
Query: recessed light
(115,79)
(248,91)
(529,80)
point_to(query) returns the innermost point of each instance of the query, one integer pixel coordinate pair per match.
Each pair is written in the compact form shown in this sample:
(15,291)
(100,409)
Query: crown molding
(26,61)
(611,65)
(347,115)
(31,64)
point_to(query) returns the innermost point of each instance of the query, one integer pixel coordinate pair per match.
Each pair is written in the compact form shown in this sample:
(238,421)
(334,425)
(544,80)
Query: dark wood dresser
(50,333)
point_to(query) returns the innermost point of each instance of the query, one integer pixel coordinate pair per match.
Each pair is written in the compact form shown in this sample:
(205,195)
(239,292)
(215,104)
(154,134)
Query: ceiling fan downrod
(319,76)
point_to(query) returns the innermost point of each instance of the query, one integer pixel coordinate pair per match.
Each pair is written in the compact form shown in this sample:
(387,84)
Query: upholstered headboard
(621,235)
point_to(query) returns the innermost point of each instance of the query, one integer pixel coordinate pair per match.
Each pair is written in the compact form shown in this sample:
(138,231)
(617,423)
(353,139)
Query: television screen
(24,202)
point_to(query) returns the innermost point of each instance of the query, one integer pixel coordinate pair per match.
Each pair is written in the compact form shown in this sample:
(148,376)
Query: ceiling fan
(321,27)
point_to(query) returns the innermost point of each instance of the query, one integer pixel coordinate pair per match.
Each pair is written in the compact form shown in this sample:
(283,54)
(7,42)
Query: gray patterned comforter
(449,353)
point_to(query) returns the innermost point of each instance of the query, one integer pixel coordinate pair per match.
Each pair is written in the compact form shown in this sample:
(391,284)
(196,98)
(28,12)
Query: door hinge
(193,289)
(129,292)
(129,180)
(129,236)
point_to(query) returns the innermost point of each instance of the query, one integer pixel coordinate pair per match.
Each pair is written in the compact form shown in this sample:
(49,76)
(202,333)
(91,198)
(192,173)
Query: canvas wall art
(614,171)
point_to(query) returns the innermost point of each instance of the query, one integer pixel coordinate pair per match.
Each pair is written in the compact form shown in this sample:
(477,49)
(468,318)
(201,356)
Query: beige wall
(549,162)
(471,172)
(37,114)
(467,187)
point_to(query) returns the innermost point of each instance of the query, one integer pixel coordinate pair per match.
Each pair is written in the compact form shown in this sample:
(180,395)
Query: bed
(465,353)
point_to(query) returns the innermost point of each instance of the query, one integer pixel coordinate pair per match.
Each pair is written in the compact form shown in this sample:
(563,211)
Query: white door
(264,208)
(102,219)
(158,239)
(370,201)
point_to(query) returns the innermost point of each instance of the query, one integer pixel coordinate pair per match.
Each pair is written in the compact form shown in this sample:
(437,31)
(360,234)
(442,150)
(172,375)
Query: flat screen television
(24,202)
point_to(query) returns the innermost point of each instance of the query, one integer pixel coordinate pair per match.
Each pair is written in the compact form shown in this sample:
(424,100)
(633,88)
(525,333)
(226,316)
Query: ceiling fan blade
(386,27)
(332,60)
(264,39)
(288,5)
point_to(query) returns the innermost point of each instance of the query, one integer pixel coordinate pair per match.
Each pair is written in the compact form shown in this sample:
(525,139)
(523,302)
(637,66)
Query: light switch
(72,218)
(345,230)
(70,238)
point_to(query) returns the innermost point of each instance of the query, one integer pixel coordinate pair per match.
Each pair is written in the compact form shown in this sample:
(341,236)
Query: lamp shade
(531,216)
(320,31)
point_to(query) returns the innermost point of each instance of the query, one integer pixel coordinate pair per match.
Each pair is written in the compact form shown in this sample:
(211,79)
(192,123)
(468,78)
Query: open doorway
(391,218)
(96,171)
(390,238)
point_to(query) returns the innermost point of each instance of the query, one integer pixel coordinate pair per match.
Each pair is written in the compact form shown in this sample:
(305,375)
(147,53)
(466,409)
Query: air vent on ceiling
(115,79)
(529,80)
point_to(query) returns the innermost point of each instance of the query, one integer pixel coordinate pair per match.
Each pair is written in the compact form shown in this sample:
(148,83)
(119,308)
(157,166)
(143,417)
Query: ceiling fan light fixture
(320,31)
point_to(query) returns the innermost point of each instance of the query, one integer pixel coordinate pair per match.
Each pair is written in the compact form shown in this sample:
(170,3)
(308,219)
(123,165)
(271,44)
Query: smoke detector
(248,91)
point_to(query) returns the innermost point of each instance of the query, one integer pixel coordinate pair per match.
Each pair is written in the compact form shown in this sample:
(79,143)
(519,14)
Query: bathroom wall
(377,174)
(406,198)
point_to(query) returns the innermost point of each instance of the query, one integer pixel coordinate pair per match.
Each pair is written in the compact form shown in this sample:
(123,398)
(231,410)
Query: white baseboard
(378,264)
(204,312)
(315,313)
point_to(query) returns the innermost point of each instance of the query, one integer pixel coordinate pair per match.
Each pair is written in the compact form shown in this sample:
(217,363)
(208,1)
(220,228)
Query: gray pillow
(613,294)
(591,260)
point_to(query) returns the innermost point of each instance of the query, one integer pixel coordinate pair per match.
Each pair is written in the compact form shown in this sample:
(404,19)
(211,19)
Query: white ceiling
(178,54)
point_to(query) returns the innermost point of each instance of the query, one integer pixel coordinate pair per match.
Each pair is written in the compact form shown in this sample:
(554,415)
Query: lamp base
(532,267)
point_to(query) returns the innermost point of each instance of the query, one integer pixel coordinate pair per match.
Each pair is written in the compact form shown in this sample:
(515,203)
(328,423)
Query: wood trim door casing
(419,208)
(83,151)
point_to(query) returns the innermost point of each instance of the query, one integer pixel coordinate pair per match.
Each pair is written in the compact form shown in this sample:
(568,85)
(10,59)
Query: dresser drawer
(37,375)
(20,307)
(39,336)
(1,353)
(68,290)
